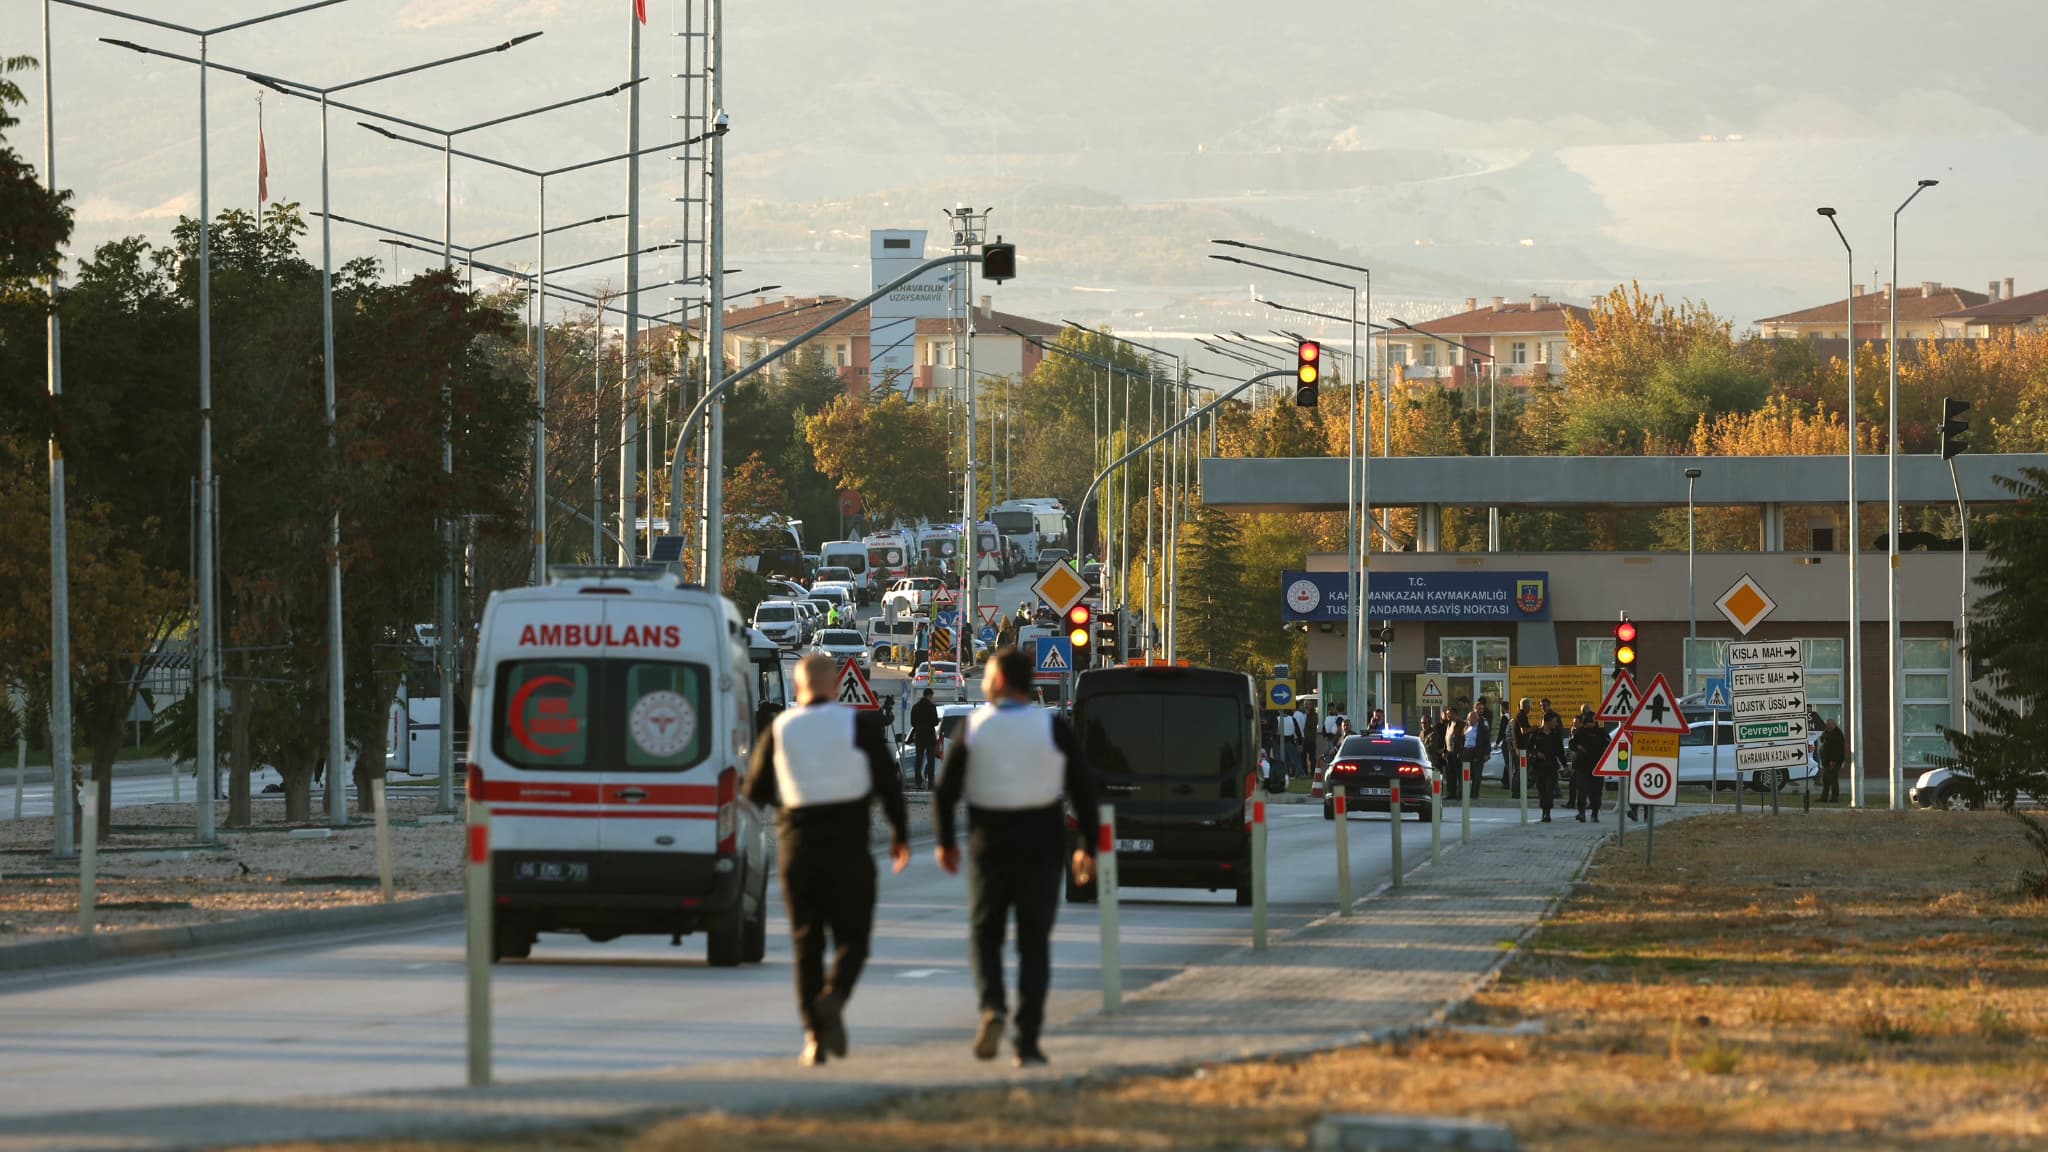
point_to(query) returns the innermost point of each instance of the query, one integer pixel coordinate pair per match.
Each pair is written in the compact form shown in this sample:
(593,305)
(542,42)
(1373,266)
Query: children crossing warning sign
(854,689)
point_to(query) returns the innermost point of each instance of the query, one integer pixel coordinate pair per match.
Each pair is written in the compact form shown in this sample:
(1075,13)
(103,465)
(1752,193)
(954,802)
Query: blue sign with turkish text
(1471,597)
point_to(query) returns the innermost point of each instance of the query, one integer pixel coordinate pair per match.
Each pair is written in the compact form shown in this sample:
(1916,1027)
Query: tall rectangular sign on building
(892,320)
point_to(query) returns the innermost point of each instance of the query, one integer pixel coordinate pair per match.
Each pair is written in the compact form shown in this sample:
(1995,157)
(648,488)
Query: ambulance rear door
(669,773)
(543,772)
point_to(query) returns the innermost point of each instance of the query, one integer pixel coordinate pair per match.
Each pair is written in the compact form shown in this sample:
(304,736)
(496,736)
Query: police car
(614,712)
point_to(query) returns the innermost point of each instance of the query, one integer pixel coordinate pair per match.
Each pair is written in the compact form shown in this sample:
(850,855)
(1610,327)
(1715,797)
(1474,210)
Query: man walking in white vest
(1011,762)
(823,768)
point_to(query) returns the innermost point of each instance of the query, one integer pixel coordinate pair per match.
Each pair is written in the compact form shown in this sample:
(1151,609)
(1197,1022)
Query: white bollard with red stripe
(1465,805)
(1343,853)
(1394,817)
(477,873)
(1436,817)
(1258,875)
(1105,909)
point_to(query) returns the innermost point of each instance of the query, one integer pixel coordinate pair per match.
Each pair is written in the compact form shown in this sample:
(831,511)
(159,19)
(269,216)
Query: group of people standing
(823,765)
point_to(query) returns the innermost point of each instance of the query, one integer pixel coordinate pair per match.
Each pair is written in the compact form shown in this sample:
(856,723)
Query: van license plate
(553,871)
(1134,845)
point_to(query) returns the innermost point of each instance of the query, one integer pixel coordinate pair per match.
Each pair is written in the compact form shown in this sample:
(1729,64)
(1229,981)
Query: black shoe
(1546,817)
(1029,1054)
(831,1031)
(989,1037)
(1582,817)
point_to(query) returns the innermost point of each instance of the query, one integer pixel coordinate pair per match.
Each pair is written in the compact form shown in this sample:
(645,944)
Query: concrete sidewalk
(1396,964)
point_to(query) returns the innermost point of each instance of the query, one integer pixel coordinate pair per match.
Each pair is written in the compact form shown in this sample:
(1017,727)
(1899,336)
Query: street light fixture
(1492,414)
(1853,698)
(205,666)
(1892,525)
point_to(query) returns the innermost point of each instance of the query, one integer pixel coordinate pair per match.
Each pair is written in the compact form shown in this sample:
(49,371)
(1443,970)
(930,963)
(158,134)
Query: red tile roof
(1505,319)
(989,321)
(1914,304)
(788,317)
(2031,306)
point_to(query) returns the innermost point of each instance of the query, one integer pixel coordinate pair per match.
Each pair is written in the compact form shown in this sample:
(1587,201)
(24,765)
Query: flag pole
(262,166)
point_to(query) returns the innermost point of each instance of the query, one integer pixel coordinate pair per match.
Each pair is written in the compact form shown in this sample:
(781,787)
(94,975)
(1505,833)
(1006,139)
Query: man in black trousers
(823,766)
(1011,761)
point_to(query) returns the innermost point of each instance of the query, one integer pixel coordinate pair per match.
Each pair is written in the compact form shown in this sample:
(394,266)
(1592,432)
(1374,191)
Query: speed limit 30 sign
(1653,780)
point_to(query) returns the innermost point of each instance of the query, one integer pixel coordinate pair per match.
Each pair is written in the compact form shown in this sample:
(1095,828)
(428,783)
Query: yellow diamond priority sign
(1746,604)
(1061,587)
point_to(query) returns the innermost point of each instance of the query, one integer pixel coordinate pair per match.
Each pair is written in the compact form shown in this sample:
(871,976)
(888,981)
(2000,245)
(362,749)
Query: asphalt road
(385,1011)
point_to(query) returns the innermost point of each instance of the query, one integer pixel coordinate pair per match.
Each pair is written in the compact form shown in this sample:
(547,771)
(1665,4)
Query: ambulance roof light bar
(645,573)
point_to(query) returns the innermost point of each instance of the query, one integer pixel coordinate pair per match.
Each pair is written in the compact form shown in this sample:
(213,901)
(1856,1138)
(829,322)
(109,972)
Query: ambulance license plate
(553,871)
(1134,845)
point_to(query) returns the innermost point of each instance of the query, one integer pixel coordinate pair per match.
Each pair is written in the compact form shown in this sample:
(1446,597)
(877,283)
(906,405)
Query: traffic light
(1624,647)
(1077,628)
(1108,649)
(1308,373)
(998,261)
(1953,427)
(1382,639)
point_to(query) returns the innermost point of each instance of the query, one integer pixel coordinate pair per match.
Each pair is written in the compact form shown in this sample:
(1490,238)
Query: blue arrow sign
(1717,693)
(1281,693)
(950,618)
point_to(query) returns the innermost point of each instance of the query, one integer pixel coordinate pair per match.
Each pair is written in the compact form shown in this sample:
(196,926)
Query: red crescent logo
(518,717)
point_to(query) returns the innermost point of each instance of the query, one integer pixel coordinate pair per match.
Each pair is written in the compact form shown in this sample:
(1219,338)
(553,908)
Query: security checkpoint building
(1480,613)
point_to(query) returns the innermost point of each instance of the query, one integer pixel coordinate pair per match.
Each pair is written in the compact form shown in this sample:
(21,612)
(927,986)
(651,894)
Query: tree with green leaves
(1213,595)
(2009,708)
(894,453)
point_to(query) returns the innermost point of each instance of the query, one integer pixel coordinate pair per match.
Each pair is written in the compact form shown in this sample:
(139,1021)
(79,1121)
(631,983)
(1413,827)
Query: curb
(79,951)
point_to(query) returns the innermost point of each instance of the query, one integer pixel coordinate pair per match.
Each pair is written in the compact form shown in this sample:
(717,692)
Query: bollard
(1343,855)
(383,837)
(479,908)
(1436,818)
(1650,836)
(1741,785)
(1465,808)
(1522,783)
(88,854)
(21,769)
(1620,809)
(175,798)
(1394,817)
(1775,775)
(1258,875)
(1105,905)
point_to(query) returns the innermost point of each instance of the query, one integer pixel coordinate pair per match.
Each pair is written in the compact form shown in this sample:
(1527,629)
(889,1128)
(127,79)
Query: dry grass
(1859,983)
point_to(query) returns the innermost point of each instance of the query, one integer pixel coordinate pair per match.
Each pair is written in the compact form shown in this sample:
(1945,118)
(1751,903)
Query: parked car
(912,595)
(1696,760)
(782,621)
(942,677)
(1952,788)
(1365,768)
(832,596)
(843,644)
(786,589)
(1047,557)
(813,617)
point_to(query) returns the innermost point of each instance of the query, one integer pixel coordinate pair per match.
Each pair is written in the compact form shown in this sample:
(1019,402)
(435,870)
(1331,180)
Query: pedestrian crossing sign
(855,691)
(1621,701)
(1055,659)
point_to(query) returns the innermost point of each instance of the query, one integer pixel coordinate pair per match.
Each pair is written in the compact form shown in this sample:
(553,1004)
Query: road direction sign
(948,618)
(1055,659)
(1061,587)
(854,689)
(1765,757)
(1744,652)
(1770,705)
(1658,710)
(1653,780)
(1429,690)
(1745,604)
(1770,731)
(1770,678)
(1621,701)
(1717,693)
(1614,761)
(1279,695)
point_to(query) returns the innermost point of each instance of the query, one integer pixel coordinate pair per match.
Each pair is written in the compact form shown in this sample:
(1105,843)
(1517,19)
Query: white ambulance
(613,716)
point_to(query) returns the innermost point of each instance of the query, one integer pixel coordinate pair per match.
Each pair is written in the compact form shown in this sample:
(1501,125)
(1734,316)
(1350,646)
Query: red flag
(262,166)
(640,10)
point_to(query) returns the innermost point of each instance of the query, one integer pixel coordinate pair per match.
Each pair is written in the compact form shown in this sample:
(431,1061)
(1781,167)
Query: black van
(1176,751)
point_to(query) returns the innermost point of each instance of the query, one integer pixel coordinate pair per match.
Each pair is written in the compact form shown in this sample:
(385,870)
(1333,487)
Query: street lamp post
(1853,698)
(1893,721)
(206,662)
(1692,595)
(63,797)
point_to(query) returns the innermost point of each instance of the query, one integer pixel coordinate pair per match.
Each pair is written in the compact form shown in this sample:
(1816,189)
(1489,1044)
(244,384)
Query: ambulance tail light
(473,783)
(728,812)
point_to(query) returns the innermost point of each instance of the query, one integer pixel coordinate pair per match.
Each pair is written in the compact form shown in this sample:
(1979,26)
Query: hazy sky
(1462,147)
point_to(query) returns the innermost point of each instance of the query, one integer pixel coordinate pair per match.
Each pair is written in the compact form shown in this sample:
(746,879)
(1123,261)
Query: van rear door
(1204,742)
(1119,732)
(660,791)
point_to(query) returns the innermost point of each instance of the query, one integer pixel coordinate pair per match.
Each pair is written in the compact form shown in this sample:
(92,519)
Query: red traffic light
(1079,616)
(1625,633)
(1308,360)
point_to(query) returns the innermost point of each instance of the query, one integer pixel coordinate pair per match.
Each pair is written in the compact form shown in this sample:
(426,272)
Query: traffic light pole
(1963,586)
